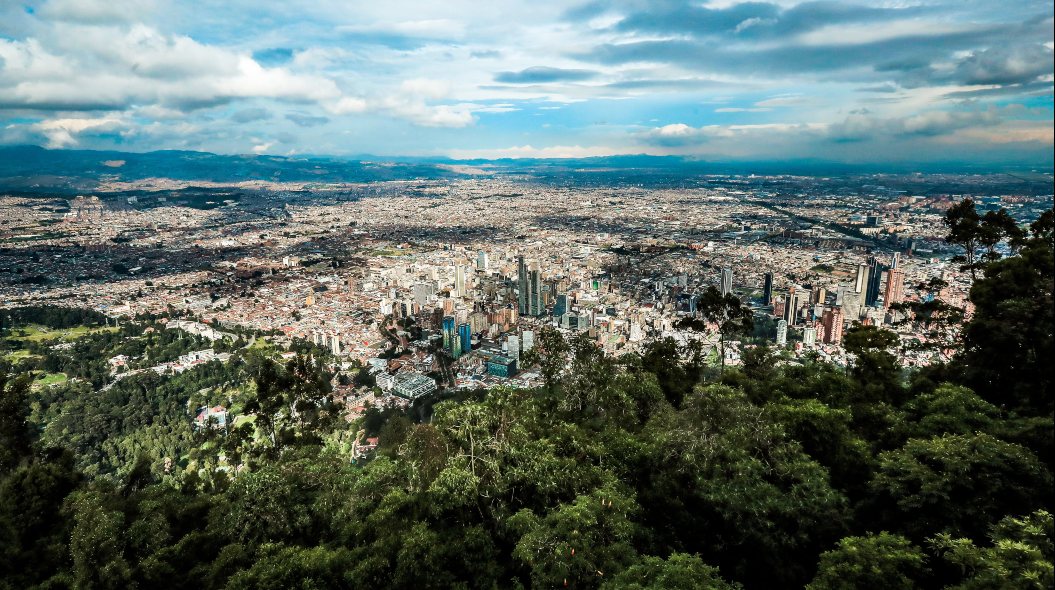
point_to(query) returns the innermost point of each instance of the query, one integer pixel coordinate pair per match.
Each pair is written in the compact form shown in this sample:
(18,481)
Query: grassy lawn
(261,343)
(34,333)
(15,356)
(41,379)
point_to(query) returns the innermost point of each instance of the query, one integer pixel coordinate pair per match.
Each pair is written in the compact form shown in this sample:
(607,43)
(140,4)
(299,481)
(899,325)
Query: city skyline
(860,82)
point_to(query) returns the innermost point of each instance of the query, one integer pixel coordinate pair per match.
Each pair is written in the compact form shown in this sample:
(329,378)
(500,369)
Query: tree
(998,226)
(550,353)
(949,409)
(1008,344)
(956,483)
(580,542)
(881,560)
(16,435)
(964,226)
(726,312)
(1021,555)
(874,367)
(292,405)
(663,359)
(97,544)
(678,572)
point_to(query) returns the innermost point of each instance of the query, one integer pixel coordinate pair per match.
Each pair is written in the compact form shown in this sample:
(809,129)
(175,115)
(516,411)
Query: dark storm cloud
(542,74)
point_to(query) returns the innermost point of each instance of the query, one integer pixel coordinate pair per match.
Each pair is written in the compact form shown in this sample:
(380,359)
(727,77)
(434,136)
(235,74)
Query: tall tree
(728,313)
(964,225)
(1008,343)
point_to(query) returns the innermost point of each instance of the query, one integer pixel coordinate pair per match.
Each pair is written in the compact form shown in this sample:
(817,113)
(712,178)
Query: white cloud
(61,133)
(262,147)
(109,68)
(97,11)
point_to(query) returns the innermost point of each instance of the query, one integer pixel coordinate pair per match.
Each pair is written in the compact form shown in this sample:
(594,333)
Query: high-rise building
(875,277)
(465,333)
(832,320)
(782,333)
(535,305)
(809,336)
(528,340)
(522,286)
(861,281)
(513,346)
(448,333)
(459,281)
(791,307)
(481,260)
(727,281)
(895,287)
(767,289)
(560,306)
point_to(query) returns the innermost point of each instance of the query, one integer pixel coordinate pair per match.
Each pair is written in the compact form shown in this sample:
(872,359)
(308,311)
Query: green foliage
(1020,556)
(1008,344)
(873,561)
(957,483)
(677,572)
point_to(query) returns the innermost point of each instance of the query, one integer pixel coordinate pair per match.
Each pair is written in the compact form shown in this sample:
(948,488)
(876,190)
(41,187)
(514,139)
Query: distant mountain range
(30,168)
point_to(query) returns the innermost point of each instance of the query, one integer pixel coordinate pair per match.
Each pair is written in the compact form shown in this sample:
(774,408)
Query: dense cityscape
(477,266)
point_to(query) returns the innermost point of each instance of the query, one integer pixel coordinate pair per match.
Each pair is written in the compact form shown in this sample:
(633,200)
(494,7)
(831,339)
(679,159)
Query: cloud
(250,115)
(1015,64)
(105,69)
(97,11)
(542,74)
(861,127)
(305,120)
(63,133)
(262,147)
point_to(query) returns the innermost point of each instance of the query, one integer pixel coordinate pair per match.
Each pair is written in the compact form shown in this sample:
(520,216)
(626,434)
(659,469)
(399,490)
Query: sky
(886,81)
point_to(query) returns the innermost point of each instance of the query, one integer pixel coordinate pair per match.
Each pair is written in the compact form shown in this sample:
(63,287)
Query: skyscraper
(535,305)
(832,320)
(522,286)
(895,287)
(459,281)
(560,307)
(465,333)
(448,333)
(481,260)
(782,333)
(791,306)
(875,277)
(727,281)
(767,289)
(861,281)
